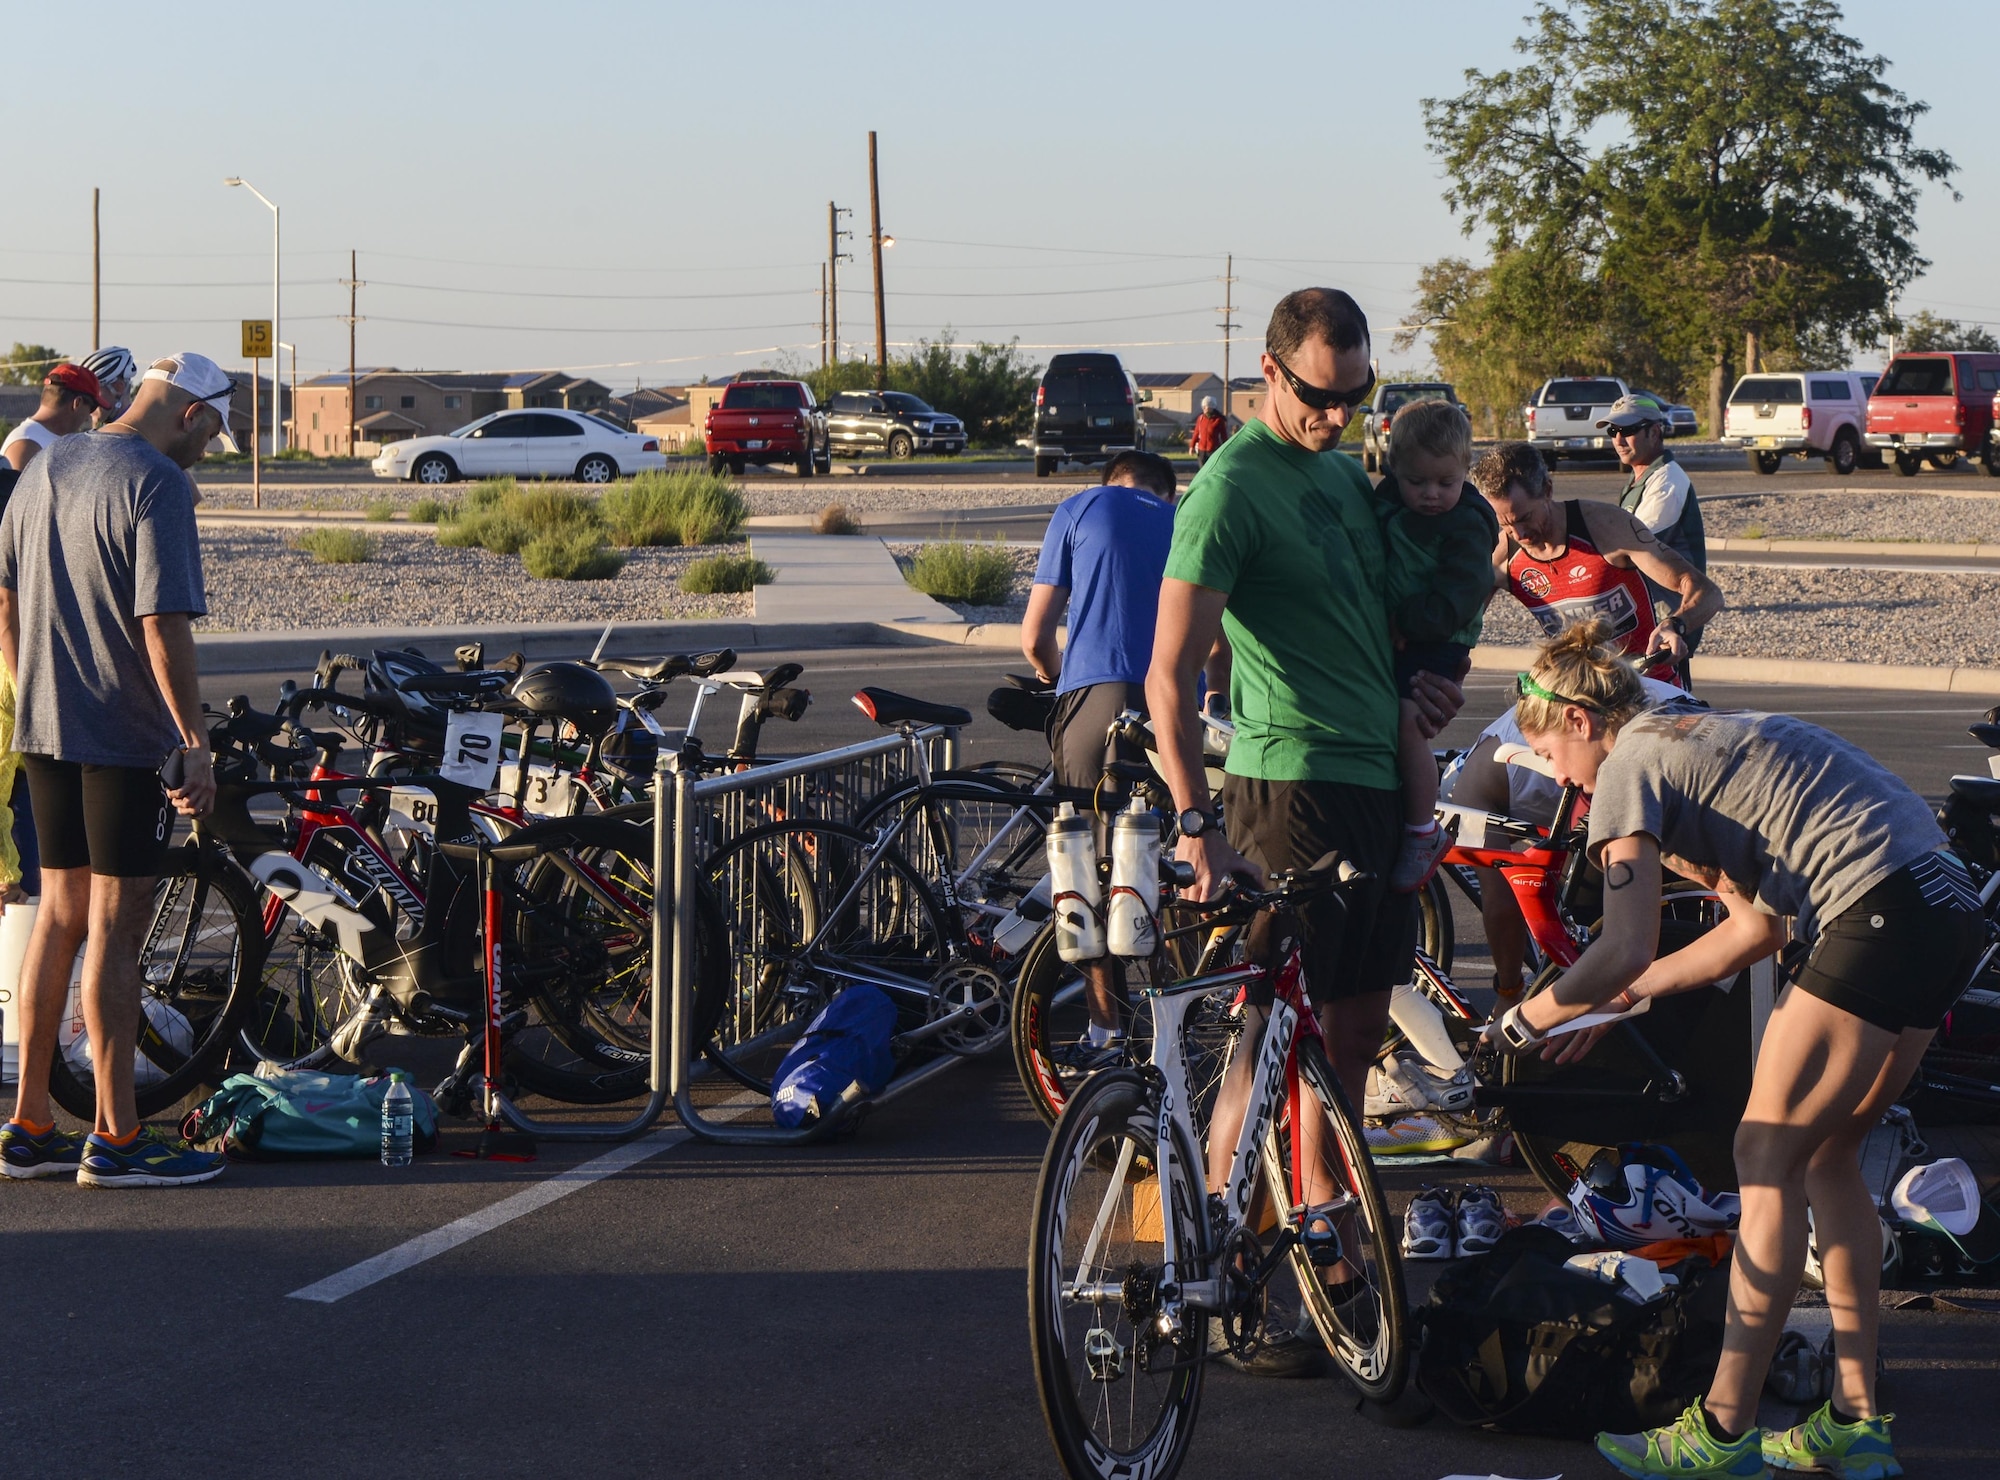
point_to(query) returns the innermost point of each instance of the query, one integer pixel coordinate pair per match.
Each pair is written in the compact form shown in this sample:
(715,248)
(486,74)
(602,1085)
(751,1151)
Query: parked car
(1931,408)
(1807,413)
(1086,410)
(1562,419)
(765,422)
(1390,397)
(892,422)
(524,444)
(1680,419)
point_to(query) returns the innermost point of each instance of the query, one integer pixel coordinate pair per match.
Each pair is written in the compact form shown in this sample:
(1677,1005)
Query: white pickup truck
(1562,420)
(1807,413)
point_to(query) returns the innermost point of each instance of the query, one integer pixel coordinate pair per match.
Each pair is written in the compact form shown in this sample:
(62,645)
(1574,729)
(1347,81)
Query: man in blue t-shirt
(1104,554)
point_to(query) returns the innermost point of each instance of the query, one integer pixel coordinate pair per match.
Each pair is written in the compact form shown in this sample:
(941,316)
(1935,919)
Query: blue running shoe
(28,1153)
(154,1158)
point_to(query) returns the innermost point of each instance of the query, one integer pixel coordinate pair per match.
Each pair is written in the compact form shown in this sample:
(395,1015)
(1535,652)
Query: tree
(1697,175)
(26,364)
(1924,330)
(990,387)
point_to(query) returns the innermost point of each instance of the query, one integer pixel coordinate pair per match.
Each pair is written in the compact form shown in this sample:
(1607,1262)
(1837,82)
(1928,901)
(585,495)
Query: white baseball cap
(201,378)
(1944,1196)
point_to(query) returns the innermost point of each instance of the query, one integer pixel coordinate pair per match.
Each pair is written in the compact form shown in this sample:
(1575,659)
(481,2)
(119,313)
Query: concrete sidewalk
(828,578)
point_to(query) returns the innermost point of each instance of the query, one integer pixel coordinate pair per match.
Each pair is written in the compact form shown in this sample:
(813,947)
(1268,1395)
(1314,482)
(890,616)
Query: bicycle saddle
(1981,791)
(765,678)
(1028,683)
(1021,709)
(888,708)
(674,665)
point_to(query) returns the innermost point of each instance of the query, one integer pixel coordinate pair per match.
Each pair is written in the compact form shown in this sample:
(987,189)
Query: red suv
(1933,408)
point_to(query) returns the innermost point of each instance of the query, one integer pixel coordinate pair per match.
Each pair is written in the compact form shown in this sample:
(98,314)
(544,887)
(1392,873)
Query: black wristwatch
(1194,822)
(1675,625)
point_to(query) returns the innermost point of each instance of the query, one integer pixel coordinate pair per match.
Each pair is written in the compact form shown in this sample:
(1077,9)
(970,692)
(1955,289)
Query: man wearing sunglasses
(1658,492)
(1277,546)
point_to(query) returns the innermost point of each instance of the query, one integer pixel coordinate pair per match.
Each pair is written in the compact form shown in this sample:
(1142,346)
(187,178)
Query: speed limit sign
(256,339)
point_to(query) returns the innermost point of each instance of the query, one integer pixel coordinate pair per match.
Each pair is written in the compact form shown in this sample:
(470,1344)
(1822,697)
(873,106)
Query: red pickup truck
(1936,408)
(765,422)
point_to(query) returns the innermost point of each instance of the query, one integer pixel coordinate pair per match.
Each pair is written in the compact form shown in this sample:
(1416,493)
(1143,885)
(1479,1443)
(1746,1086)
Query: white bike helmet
(1642,1194)
(113,363)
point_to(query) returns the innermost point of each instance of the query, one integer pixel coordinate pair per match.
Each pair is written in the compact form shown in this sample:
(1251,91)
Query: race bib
(413,810)
(547,793)
(472,749)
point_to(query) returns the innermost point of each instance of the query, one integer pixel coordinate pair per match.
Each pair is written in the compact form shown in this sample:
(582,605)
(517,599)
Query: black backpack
(1514,1341)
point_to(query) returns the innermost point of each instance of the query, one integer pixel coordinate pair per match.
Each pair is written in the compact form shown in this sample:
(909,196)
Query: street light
(293,350)
(276,326)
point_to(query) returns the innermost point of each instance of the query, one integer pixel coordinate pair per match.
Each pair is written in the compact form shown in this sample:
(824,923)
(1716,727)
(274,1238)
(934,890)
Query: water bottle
(1131,919)
(1078,896)
(398,1122)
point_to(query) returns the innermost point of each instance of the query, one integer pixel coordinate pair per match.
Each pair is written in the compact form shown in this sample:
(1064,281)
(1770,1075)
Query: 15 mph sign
(256,339)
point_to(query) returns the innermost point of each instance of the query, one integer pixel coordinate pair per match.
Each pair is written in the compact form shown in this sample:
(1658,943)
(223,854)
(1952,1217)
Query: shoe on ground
(1282,1352)
(1430,1231)
(1418,859)
(1415,1135)
(1085,1057)
(1482,1218)
(1562,1218)
(1686,1449)
(153,1158)
(51,1153)
(1859,1451)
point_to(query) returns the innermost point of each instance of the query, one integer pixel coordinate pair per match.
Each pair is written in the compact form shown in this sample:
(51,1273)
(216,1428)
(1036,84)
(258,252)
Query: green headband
(1527,688)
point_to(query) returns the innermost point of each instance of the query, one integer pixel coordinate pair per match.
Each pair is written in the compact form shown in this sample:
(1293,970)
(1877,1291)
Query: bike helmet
(630,750)
(570,691)
(423,717)
(113,365)
(1642,1194)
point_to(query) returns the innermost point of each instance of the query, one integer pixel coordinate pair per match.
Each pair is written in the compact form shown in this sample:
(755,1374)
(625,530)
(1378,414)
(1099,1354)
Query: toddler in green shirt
(1440,535)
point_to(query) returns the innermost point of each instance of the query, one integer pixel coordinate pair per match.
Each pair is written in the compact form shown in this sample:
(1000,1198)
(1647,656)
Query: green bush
(958,570)
(680,506)
(292,454)
(330,546)
(716,574)
(433,511)
(382,510)
(577,553)
(499,515)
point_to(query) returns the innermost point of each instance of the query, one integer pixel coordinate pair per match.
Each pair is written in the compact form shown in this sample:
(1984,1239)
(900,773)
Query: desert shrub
(835,519)
(959,570)
(433,511)
(680,506)
(292,454)
(577,553)
(381,510)
(330,546)
(714,574)
(501,516)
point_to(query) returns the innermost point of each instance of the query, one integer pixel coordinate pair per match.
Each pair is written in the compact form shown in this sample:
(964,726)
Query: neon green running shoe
(1852,1451)
(1687,1449)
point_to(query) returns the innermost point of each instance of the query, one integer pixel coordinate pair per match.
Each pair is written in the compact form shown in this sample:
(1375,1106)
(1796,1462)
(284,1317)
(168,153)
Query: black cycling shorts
(1369,945)
(112,820)
(1899,956)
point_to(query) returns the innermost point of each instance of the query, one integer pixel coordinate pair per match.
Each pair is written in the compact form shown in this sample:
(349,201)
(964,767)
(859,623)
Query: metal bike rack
(676,794)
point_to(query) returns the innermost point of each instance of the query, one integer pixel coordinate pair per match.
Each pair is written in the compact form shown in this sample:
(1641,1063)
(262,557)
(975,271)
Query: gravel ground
(862,496)
(1831,515)
(1010,610)
(258,583)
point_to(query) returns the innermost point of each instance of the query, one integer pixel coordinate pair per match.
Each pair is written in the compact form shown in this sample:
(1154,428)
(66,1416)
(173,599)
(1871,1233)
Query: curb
(1804,671)
(1925,549)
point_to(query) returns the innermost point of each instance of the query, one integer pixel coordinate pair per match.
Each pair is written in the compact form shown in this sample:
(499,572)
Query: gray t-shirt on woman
(1801,822)
(99,533)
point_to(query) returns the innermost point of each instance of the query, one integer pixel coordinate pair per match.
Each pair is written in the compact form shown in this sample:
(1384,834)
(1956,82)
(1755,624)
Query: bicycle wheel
(994,838)
(308,988)
(803,914)
(1362,1317)
(1437,933)
(1119,1395)
(198,971)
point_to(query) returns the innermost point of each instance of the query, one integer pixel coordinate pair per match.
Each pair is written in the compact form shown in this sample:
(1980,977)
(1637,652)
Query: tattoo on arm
(1617,875)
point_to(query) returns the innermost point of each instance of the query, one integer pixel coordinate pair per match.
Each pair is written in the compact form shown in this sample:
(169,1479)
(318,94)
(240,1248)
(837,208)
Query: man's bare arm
(1625,541)
(10,632)
(170,649)
(1038,630)
(1216,671)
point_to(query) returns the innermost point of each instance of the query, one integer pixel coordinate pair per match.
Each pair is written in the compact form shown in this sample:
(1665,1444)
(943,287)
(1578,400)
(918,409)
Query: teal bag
(301,1115)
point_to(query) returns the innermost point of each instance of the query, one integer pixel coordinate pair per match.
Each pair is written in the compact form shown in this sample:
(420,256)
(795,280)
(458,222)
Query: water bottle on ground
(398,1122)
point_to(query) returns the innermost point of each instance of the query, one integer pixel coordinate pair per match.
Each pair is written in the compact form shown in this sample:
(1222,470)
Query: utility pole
(352,282)
(1227,326)
(96,278)
(822,316)
(875,239)
(834,257)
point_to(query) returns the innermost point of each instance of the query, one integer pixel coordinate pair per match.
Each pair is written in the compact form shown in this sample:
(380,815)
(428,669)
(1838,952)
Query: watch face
(1192,823)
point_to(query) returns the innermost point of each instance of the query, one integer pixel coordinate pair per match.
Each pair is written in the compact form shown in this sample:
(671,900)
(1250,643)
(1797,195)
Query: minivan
(1933,408)
(1086,410)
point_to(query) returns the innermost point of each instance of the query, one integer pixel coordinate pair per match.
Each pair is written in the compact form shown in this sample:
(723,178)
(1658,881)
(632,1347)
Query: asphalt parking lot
(855,1309)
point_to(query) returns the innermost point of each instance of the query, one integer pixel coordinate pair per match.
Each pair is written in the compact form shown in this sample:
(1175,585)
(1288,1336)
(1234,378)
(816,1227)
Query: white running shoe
(1418,859)
(1429,1231)
(1482,1218)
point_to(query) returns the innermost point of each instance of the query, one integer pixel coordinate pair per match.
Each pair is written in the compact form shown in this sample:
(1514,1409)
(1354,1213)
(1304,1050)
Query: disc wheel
(1119,1396)
(199,967)
(1356,1299)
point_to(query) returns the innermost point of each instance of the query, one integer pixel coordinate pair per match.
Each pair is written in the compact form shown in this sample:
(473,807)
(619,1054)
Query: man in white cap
(100,582)
(1658,492)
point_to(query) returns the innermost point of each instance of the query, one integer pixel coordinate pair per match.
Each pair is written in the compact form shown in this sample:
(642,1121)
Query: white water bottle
(1078,898)
(1131,917)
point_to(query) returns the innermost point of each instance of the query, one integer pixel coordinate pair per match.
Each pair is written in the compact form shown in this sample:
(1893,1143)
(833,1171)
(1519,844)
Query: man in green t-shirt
(1277,547)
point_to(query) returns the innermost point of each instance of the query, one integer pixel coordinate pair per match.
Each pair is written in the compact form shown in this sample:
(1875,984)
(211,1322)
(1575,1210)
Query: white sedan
(525,444)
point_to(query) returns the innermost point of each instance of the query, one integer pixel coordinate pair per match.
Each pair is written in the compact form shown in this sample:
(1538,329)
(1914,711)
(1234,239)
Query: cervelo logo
(1271,1060)
(312,897)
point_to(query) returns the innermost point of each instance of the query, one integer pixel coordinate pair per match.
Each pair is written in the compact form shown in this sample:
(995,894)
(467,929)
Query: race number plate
(472,749)
(414,809)
(547,793)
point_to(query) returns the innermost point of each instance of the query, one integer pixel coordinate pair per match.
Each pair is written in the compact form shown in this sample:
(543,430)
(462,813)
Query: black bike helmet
(570,691)
(423,717)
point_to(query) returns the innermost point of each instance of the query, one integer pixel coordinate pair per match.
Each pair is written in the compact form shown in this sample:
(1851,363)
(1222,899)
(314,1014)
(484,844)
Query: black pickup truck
(892,424)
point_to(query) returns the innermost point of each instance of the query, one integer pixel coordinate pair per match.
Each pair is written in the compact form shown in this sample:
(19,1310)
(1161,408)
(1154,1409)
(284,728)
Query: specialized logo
(364,868)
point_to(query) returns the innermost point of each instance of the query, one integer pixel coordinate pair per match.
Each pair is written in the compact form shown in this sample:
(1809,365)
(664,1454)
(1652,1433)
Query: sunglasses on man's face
(1321,399)
(1630,433)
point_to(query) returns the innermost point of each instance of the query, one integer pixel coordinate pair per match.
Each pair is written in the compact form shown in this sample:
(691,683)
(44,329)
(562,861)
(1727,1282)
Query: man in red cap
(70,397)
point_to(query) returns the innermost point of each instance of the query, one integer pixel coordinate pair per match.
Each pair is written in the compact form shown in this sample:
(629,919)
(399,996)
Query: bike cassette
(979,997)
(1243,1295)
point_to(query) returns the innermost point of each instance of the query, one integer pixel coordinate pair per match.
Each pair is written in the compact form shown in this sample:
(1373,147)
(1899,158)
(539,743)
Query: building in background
(1178,393)
(556,389)
(395,404)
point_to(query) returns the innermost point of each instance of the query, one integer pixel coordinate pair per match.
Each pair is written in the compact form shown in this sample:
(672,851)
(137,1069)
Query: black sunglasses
(1632,431)
(1321,399)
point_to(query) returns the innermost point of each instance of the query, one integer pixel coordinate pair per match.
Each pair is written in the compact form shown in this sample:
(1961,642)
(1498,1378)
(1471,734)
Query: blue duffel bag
(846,1046)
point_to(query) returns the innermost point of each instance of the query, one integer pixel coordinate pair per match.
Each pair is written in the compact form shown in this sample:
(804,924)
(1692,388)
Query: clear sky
(640,190)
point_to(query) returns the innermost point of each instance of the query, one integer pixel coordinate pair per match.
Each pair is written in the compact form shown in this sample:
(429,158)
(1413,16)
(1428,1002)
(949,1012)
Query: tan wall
(327,404)
(671,427)
(702,399)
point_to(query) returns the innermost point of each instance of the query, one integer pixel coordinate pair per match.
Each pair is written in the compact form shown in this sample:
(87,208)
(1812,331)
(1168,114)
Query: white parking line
(463,1230)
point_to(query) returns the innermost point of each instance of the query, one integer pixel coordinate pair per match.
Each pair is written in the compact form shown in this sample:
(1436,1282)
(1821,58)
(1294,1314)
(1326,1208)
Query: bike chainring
(962,984)
(1243,1298)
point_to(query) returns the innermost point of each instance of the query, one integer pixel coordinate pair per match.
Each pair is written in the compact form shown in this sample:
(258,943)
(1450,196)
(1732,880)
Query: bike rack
(674,790)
